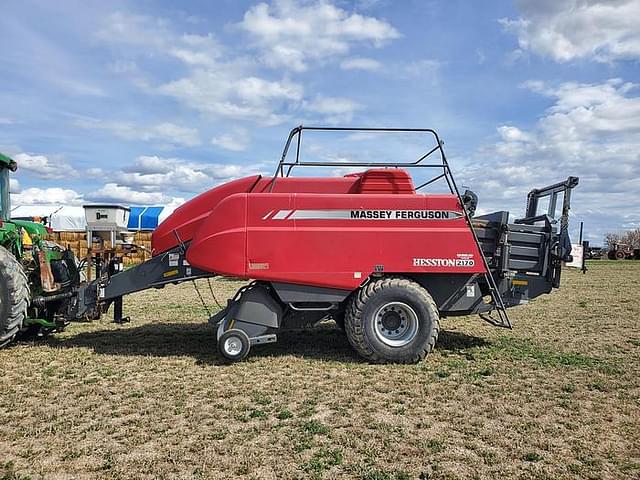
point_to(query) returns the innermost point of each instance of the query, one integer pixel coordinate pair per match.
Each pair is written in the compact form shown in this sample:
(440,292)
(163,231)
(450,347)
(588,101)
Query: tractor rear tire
(14,296)
(392,320)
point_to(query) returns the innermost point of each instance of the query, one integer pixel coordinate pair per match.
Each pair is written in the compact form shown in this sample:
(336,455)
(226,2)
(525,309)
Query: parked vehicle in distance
(623,251)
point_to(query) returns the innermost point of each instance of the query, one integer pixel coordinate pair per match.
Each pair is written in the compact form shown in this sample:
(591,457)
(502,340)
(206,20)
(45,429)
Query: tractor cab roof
(6,162)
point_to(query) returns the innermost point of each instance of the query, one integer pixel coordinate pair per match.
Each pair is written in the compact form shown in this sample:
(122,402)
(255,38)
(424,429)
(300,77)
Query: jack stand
(117,312)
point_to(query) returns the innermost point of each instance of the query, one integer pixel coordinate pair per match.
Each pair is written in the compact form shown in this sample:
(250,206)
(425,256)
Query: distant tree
(633,238)
(630,237)
(611,238)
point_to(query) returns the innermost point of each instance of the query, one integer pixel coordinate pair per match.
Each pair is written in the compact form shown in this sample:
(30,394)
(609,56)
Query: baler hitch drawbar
(367,250)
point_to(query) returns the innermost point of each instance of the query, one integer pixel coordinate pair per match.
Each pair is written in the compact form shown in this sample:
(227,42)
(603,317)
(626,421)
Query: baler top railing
(285,166)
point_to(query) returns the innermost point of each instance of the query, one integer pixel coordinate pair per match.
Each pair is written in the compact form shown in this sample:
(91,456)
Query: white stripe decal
(360,214)
(281,215)
(321,215)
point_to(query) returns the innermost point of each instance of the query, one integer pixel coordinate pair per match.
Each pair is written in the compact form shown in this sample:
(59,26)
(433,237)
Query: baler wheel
(234,345)
(14,296)
(392,320)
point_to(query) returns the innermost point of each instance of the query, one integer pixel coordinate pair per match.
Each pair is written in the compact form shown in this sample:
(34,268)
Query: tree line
(630,237)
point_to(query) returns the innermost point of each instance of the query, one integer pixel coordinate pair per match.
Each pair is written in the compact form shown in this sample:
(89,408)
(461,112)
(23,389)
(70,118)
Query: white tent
(64,218)
(60,218)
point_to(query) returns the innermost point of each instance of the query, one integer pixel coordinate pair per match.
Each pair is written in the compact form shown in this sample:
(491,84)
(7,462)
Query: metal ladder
(503,318)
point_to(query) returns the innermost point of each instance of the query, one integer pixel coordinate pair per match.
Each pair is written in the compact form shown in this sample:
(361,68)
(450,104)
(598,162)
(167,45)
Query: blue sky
(153,102)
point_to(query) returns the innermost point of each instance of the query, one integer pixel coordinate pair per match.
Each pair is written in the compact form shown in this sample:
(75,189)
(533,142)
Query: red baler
(366,249)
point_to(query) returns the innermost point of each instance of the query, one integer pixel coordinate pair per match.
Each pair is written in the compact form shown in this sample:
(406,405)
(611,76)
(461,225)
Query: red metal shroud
(329,232)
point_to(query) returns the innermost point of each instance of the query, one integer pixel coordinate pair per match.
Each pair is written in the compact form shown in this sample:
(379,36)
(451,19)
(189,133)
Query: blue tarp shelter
(144,218)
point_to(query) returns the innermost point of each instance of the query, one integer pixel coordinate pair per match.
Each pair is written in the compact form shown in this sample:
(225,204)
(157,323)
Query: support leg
(117,311)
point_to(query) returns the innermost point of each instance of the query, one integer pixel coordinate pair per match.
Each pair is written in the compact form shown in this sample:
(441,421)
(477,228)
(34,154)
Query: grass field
(557,397)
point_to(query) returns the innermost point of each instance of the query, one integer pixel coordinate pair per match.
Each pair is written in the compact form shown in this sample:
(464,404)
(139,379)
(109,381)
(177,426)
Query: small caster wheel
(234,345)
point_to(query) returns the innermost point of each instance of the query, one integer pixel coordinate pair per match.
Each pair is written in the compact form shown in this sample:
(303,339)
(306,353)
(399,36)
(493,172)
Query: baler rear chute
(365,249)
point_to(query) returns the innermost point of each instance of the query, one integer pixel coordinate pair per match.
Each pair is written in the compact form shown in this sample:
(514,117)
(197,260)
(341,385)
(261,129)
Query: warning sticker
(170,273)
(174,259)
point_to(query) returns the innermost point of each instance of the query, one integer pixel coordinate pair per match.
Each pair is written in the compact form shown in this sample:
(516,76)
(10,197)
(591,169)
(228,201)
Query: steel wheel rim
(233,346)
(396,324)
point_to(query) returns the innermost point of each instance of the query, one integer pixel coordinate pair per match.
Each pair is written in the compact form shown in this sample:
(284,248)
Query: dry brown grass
(556,398)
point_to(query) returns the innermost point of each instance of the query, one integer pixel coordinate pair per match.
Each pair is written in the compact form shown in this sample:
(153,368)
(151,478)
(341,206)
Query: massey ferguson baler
(366,249)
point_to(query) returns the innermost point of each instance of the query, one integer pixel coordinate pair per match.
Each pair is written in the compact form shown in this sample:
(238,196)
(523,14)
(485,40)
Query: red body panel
(186,219)
(323,232)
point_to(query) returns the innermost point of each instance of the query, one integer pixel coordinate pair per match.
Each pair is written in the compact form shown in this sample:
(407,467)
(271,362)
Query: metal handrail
(297,133)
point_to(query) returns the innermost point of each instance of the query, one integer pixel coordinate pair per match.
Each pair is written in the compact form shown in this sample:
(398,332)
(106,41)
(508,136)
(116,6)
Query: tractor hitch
(114,283)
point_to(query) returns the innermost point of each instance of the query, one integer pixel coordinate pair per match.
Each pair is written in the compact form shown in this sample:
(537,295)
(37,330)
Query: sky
(153,102)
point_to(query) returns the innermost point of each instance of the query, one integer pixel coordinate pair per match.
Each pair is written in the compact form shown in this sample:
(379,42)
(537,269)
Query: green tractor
(38,278)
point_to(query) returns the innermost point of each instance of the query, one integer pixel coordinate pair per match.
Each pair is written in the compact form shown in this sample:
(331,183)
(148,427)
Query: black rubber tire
(242,337)
(359,320)
(14,296)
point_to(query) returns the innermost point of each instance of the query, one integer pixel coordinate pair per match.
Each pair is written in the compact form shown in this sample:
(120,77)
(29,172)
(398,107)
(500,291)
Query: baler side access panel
(366,249)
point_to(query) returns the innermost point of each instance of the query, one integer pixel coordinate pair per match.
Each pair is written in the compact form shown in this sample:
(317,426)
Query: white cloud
(291,33)
(52,196)
(151,164)
(332,109)
(227,89)
(14,185)
(6,121)
(146,36)
(226,92)
(360,63)
(591,131)
(236,141)
(155,174)
(147,180)
(42,166)
(112,192)
(164,133)
(572,29)
(214,84)
(175,134)
(173,204)
(513,134)
(136,31)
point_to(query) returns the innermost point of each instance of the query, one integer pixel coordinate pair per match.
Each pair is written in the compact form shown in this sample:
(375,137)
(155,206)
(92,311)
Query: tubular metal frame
(285,167)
